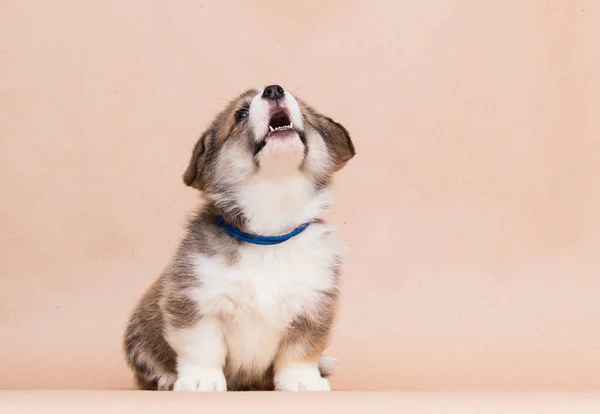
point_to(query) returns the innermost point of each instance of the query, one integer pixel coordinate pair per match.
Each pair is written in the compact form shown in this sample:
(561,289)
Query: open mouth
(279,125)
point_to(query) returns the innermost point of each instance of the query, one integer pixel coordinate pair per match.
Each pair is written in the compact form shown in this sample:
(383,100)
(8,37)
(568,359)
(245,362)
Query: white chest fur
(260,295)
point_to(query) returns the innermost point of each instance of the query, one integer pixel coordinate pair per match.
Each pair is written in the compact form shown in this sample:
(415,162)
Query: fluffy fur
(228,315)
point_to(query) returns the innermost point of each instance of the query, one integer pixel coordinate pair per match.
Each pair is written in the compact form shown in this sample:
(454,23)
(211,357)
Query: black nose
(273,92)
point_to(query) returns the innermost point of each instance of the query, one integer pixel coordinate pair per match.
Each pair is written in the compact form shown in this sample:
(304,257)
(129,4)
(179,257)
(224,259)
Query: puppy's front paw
(301,379)
(202,380)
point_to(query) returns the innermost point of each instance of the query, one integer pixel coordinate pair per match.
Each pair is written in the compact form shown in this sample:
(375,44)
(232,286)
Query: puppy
(249,299)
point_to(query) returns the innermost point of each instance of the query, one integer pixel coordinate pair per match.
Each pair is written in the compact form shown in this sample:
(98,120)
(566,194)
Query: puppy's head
(267,134)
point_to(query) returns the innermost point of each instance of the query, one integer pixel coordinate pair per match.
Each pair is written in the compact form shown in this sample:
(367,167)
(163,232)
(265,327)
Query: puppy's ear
(193,174)
(339,142)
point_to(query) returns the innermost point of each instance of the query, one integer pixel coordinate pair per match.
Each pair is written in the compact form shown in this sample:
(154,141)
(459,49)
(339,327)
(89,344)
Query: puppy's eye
(241,114)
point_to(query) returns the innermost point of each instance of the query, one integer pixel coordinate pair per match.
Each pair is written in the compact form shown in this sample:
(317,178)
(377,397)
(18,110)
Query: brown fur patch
(201,165)
(182,311)
(205,237)
(336,136)
(249,381)
(146,350)
(309,334)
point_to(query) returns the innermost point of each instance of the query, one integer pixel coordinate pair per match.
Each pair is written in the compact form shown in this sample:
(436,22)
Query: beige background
(470,214)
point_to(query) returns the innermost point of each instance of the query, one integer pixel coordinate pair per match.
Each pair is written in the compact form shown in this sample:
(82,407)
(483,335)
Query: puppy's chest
(271,284)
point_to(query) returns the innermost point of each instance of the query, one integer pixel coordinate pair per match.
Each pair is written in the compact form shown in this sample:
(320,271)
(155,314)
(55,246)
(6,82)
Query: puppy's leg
(201,353)
(297,363)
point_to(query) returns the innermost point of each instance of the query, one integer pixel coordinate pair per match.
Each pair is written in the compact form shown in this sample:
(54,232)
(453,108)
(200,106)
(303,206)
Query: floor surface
(131,402)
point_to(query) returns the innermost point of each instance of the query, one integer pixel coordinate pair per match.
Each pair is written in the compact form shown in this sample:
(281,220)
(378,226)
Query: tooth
(290,124)
(271,128)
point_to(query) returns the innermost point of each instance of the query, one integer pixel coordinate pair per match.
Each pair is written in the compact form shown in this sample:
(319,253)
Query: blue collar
(256,239)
